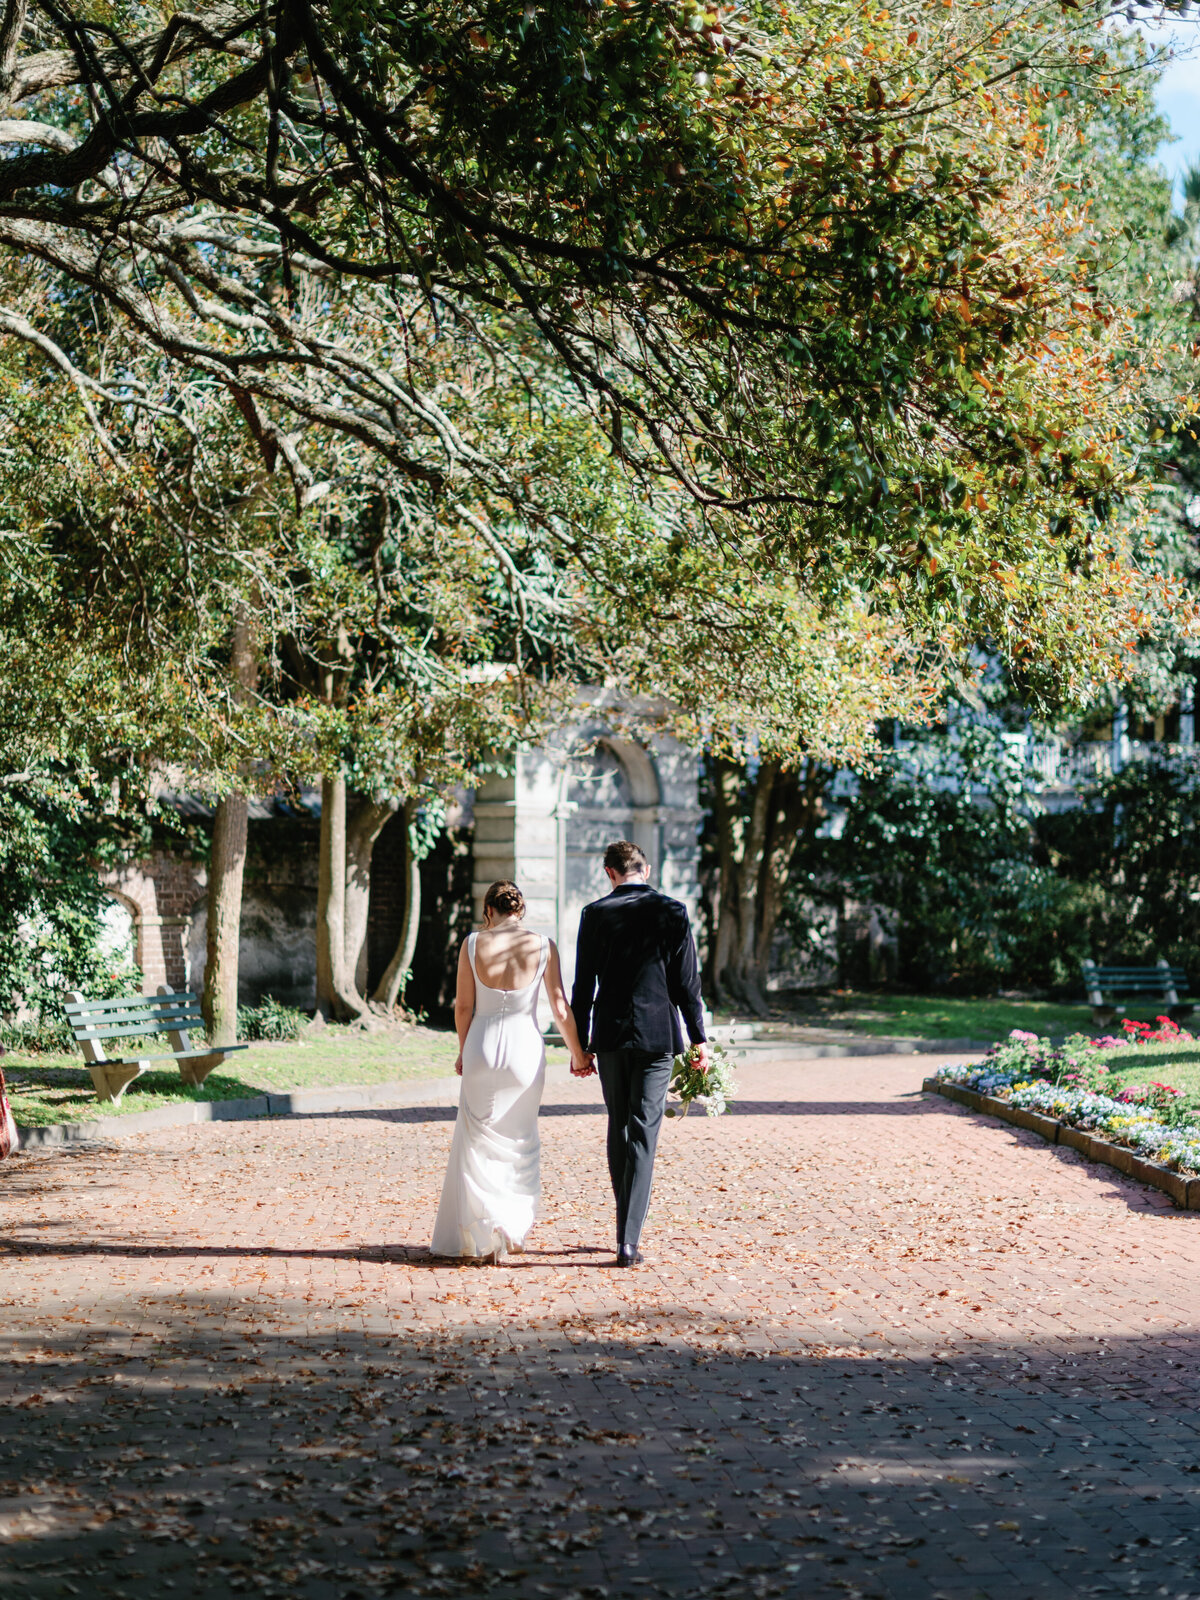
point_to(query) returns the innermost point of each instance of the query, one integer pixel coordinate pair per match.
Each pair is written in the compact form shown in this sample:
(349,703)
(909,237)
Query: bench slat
(1154,975)
(170,1025)
(115,1013)
(127,1007)
(104,1019)
(1141,983)
(182,1002)
(1136,983)
(113,1019)
(177,1055)
(180,997)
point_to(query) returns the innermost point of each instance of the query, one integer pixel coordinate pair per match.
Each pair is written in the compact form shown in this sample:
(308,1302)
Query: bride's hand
(458,1064)
(582,1066)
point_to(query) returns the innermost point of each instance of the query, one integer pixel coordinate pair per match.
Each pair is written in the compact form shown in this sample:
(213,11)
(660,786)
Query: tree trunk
(223,921)
(366,822)
(743,974)
(390,989)
(727,778)
(337,998)
(220,999)
(759,826)
(795,806)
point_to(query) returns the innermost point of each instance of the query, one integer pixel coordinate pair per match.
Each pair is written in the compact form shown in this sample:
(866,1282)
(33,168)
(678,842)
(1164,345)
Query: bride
(492,1189)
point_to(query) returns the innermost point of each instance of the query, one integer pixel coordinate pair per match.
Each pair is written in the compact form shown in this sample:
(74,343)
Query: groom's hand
(700,1056)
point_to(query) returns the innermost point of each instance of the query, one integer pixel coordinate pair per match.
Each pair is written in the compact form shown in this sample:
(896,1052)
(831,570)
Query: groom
(635,971)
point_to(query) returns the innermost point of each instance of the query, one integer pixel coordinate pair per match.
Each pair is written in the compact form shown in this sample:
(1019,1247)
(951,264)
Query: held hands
(582,1065)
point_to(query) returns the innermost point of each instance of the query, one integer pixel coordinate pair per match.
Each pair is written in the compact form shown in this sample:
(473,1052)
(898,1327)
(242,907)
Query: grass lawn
(46,1089)
(923,1017)
(1176,1064)
(930,1017)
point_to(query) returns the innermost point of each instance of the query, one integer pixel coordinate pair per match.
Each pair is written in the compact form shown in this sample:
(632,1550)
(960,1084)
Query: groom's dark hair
(624,858)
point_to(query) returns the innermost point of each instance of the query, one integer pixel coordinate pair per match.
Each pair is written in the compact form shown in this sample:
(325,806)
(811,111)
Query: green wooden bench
(1162,980)
(97,1022)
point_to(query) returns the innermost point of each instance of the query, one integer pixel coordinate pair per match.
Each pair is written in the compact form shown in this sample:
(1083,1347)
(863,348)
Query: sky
(1179,95)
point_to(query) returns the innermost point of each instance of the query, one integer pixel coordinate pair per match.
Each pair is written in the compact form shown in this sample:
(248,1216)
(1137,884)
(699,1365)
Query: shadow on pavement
(575,1457)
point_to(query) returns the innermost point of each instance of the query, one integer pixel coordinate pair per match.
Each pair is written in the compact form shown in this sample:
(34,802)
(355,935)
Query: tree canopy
(815,268)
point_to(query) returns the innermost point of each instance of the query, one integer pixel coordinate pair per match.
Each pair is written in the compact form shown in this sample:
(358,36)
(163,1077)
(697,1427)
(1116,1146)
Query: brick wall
(160,891)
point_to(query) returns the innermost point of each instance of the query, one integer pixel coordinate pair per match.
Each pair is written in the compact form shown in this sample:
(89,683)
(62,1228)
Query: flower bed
(1065,1087)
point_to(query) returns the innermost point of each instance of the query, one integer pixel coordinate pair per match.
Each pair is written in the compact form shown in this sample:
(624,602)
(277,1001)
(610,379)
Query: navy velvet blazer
(635,971)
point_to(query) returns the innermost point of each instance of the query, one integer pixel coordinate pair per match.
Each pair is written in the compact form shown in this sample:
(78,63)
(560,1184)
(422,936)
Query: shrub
(52,936)
(1135,845)
(270,1021)
(943,835)
(49,1036)
(983,887)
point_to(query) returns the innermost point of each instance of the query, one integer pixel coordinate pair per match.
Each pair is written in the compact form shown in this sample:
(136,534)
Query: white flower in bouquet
(714,1089)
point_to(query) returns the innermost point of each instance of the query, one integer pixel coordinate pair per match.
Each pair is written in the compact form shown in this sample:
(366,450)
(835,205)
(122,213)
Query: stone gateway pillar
(546,822)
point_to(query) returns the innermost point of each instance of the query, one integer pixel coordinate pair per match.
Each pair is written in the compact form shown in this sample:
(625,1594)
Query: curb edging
(1184,1192)
(294,1102)
(360,1097)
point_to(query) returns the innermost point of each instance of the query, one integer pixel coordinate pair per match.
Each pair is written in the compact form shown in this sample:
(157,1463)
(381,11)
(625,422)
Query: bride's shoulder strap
(471,938)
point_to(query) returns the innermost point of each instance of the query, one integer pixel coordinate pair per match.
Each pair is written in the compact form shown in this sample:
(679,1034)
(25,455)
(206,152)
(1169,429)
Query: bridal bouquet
(714,1089)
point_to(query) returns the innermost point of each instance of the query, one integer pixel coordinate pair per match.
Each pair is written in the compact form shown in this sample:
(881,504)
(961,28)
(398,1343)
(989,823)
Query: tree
(1130,855)
(52,840)
(227,861)
(778,708)
(853,373)
(390,988)
(828,296)
(942,839)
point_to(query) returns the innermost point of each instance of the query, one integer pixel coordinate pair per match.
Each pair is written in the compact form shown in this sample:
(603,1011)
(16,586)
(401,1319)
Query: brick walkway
(882,1347)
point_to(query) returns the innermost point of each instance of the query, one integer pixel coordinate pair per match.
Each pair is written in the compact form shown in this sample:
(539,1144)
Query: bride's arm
(464,1003)
(581,1062)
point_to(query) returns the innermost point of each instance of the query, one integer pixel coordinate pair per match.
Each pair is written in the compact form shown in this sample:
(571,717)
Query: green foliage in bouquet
(714,1088)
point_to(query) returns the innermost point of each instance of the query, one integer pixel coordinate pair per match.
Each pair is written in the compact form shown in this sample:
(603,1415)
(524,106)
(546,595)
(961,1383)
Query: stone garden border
(1184,1191)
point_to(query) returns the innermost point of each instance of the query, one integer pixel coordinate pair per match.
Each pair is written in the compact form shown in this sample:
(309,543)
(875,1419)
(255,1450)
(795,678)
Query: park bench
(96,1023)
(1162,980)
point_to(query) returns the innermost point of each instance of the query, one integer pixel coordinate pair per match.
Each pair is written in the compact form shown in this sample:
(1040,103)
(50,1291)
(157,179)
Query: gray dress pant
(635,1092)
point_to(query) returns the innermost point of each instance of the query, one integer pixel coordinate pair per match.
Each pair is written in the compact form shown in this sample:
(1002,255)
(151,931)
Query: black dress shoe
(628,1258)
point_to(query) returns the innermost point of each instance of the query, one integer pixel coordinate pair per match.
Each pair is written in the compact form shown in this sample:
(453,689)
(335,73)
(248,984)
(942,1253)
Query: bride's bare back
(507,957)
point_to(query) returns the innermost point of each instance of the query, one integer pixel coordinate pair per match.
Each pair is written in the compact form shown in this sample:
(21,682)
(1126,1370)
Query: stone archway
(159,891)
(546,818)
(119,936)
(610,790)
(196,944)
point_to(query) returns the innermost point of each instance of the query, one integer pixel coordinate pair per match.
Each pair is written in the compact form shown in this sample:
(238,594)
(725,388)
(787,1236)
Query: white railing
(1057,765)
(1068,766)
(1060,769)
(1075,766)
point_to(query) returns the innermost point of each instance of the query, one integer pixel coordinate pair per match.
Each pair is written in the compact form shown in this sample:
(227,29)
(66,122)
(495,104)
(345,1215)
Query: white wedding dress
(490,1198)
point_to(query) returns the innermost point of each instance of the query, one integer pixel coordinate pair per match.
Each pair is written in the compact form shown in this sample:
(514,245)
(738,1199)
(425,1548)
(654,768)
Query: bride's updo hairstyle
(505,899)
